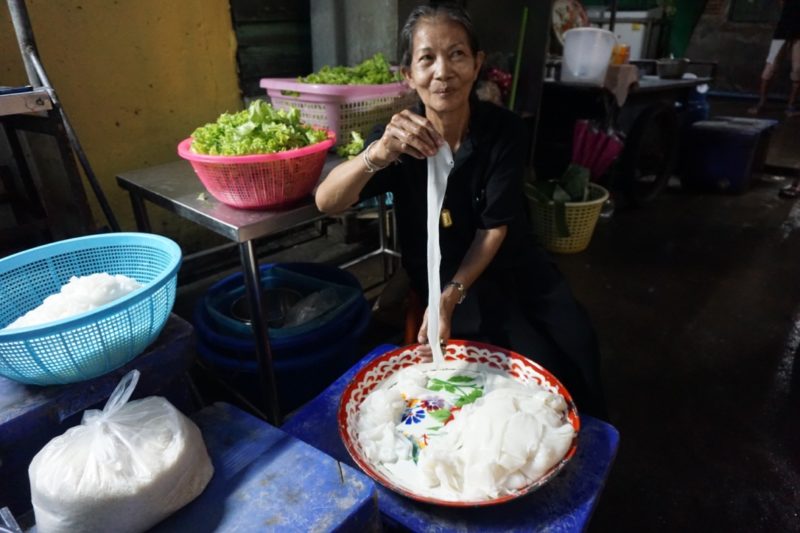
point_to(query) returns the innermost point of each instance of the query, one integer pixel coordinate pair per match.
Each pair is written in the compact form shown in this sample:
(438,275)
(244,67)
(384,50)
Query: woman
(499,287)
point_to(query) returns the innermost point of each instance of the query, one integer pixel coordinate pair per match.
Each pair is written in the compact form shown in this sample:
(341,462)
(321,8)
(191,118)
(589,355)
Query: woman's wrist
(454,292)
(379,155)
(371,164)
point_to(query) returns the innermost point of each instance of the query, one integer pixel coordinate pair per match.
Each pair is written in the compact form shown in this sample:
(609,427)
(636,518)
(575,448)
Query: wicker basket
(581,220)
(340,108)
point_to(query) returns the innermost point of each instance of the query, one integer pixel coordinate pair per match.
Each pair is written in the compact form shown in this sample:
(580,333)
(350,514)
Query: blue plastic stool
(266,480)
(565,503)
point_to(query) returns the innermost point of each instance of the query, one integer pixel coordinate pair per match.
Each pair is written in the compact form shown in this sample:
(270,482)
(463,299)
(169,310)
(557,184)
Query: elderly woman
(499,286)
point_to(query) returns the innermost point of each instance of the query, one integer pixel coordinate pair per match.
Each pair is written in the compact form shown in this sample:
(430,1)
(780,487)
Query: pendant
(447,220)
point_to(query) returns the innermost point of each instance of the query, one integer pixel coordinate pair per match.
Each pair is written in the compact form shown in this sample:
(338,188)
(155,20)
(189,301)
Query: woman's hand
(407,133)
(447,305)
(481,252)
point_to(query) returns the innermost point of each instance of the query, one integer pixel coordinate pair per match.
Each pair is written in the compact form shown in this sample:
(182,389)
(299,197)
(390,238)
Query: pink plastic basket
(340,108)
(260,181)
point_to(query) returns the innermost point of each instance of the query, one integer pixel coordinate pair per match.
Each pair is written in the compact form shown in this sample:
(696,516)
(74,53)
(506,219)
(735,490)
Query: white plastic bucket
(587,52)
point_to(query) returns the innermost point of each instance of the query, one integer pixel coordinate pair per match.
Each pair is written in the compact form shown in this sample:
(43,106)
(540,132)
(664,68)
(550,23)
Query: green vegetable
(572,186)
(353,148)
(259,129)
(373,71)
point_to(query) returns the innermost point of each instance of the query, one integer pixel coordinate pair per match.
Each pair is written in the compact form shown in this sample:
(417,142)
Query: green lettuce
(259,129)
(352,148)
(373,71)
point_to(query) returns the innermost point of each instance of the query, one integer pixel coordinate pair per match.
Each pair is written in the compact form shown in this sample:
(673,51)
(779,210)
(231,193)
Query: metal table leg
(140,213)
(252,281)
(384,250)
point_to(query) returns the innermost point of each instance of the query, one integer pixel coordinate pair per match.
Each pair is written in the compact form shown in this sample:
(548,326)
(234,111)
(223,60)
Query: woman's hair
(453,12)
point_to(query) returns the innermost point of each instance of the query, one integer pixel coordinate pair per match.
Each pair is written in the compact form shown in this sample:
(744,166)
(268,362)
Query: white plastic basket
(340,108)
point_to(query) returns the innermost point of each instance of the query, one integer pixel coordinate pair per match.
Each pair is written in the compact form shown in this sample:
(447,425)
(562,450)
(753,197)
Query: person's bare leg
(776,52)
(791,109)
(762,97)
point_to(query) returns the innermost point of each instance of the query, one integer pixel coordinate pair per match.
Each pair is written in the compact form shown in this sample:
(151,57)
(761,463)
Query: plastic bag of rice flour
(123,469)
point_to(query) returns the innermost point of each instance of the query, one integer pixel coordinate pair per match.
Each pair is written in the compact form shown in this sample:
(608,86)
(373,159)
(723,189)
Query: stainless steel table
(176,188)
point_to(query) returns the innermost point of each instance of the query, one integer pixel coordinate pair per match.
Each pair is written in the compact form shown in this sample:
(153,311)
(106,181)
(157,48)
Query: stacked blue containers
(307,357)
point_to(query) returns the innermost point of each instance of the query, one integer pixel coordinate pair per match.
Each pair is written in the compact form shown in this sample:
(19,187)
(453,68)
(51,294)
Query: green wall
(687,14)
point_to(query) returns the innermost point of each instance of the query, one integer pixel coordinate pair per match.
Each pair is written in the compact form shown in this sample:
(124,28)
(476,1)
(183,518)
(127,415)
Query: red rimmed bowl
(494,359)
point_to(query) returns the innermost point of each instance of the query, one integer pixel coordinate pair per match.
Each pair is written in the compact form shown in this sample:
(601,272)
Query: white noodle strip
(439,167)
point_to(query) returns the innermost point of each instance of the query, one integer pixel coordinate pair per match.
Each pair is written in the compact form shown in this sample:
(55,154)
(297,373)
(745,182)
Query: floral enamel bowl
(424,417)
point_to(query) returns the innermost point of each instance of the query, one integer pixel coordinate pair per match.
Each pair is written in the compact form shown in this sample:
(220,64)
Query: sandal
(790,191)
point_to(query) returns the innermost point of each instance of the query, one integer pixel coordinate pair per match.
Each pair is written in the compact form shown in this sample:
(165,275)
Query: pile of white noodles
(79,295)
(504,441)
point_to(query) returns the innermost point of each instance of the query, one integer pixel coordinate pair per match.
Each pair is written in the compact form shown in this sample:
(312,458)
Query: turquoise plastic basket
(90,344)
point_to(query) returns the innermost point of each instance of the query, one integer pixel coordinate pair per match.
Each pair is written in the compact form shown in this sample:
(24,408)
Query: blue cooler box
(723,153)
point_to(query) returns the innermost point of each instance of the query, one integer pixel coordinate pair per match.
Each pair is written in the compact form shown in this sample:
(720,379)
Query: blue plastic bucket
(240,343)
(300,373)
(299,278)
(244,348)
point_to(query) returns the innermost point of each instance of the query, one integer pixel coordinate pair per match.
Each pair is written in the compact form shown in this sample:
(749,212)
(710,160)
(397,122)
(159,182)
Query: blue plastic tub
(324,329)
(221,297)
(301,373)
(282,347)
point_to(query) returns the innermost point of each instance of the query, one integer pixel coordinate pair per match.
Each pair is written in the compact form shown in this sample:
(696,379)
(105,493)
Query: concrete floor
(697,304)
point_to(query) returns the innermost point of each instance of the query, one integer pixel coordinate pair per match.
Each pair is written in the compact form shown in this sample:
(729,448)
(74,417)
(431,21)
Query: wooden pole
(518,60)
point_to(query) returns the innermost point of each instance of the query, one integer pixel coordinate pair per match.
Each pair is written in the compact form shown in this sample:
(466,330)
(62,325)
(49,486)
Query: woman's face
(443,67)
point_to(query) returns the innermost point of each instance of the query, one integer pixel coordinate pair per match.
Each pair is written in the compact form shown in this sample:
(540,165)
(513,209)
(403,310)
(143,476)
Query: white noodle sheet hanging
(439,167)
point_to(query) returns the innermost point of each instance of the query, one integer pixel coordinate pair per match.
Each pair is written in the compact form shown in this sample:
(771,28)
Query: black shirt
(484,190)
(789,23)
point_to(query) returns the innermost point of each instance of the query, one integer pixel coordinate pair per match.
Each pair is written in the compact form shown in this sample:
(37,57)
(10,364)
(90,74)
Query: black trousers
(532,311)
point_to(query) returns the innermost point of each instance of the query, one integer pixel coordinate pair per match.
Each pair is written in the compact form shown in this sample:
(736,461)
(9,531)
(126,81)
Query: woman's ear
(406,72)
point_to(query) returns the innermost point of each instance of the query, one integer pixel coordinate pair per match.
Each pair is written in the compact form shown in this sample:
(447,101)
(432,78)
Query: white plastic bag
(124,469)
